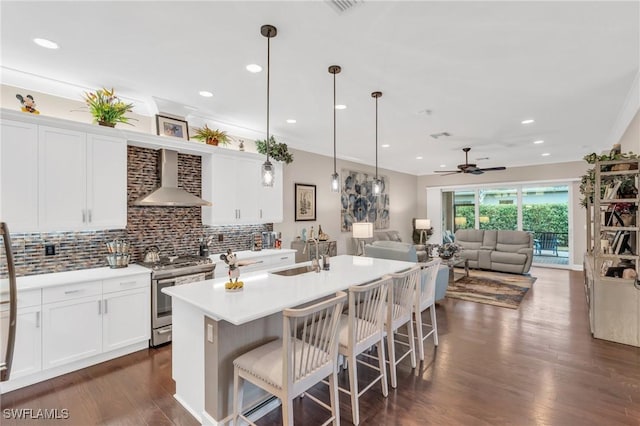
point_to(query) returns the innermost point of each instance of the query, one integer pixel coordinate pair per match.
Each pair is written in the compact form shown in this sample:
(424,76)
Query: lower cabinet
(72,330)
(27,352)
(125,318)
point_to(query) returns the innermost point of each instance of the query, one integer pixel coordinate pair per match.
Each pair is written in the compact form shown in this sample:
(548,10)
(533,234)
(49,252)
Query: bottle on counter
(278,242)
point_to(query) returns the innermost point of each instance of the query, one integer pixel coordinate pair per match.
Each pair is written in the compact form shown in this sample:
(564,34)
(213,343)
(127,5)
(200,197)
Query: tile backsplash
(175,230)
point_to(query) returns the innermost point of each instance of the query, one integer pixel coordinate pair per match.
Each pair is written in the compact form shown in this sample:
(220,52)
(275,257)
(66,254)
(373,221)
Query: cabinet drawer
(260,263)
(71,291)
(126,283)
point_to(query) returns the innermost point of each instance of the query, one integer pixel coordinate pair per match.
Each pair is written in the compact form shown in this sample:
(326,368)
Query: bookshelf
(612,263)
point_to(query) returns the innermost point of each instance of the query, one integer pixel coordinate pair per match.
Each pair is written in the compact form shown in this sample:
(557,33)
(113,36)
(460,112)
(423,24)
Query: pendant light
(377,184)
(268,31)
(335,178)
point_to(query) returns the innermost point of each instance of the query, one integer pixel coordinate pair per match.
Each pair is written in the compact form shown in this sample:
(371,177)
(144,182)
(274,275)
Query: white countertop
(32,282)
(250,254)
(265,293)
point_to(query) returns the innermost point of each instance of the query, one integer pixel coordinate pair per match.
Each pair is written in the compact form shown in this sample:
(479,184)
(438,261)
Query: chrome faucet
(316,262)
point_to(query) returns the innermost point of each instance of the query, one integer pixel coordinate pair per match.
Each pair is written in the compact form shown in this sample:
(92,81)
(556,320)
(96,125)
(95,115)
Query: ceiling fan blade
(490,169)
(446,171)
(476,171)
(451,172)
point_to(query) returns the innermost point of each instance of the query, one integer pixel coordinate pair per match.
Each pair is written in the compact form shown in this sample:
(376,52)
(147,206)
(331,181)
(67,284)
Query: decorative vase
(106,124)
(212,141)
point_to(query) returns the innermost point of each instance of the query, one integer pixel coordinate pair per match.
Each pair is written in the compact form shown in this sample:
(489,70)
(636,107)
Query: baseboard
(43,375)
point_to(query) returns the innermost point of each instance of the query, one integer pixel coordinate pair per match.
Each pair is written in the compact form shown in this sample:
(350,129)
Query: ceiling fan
(469,167)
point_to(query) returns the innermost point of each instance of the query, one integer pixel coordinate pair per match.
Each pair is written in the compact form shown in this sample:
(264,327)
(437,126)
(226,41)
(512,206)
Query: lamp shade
(423,224)
(362,229)
(483,219)
(460,221)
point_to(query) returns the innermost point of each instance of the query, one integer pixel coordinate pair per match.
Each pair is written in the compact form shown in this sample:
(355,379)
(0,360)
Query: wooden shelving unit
(613,250)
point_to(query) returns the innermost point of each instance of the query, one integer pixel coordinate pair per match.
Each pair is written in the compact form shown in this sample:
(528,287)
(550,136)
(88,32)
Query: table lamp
(362,230)
(460,221)
(423,225)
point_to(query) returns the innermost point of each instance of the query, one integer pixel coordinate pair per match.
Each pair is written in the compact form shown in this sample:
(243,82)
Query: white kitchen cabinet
(71,330)
(126,318)
(106,182)
(232,182)
(27,352)
(82,181)
(19,175)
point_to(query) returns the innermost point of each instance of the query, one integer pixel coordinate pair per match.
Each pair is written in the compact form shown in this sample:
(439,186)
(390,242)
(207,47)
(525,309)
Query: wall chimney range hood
(169,195)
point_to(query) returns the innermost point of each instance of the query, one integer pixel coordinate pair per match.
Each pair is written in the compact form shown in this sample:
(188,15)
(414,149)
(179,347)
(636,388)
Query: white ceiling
(479,67)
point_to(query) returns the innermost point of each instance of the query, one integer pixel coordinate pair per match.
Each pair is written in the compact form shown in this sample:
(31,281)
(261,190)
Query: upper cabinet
(56,179)
(231,180)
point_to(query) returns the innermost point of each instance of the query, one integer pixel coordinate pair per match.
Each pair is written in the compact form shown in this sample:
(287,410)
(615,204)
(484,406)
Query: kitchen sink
(294,271)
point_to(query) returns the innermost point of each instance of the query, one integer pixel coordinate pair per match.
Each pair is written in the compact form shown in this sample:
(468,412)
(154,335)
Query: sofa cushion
(509,258)
(469,239)
(489,239)
(512,241)
(391,250)
(393,244)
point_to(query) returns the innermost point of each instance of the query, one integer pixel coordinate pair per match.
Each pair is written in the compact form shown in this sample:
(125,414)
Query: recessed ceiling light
(205,94)
(386,145)
(291,121)
(528,121)
(538,142)
(341,107)
(545,154)
(443,165)
(419,157)
(254,68)
(43,42)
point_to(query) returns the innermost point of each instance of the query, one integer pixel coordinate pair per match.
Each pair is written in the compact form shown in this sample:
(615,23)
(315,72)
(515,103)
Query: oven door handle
(167,281)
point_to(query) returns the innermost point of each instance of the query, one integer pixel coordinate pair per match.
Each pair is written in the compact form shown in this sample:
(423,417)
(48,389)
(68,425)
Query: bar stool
(360,329)
(426,298)
(287,367)
(400,304)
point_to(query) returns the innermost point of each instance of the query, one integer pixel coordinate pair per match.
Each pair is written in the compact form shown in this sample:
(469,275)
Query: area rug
(491,288)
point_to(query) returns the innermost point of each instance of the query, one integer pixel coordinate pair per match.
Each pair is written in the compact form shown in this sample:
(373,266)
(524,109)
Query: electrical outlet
(49,249)
(220,238)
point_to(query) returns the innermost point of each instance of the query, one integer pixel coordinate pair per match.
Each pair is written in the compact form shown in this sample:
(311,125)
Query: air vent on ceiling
(342,6)
(441,134)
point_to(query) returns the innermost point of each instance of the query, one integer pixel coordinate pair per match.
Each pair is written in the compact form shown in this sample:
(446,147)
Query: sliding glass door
(498,208)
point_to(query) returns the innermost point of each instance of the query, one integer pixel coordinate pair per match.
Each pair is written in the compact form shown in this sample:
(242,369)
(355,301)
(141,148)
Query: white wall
(316,170)
(630,140)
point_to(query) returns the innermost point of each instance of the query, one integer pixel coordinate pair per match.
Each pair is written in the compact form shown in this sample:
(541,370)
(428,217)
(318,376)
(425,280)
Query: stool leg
(383,368)
(333,394)
(419,336)
(238,390)
(392,358)
(434,323)
(353,387)
(287,411)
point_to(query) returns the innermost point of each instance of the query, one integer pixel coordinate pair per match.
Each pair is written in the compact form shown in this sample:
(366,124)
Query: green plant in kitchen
(588,180)
(278,151)
(106,108)
(210,136)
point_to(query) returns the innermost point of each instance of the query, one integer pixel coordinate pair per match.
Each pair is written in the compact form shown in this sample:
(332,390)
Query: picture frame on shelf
(305,202)
(172,127)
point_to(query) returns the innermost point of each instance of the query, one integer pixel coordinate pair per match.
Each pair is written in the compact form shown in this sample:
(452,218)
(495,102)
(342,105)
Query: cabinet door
(62,179)
(106,182)
(126,318)
(248,185)
(27,353)
(71,330)
(19,176)
(270,198)
(224,209)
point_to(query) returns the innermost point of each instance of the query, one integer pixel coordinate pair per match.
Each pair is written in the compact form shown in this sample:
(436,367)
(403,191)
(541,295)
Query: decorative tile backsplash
(175,230)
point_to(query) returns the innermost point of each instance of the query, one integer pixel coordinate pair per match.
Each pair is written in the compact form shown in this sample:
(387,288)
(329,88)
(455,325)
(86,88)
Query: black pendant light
(268,177)
(335,178)
(377,184)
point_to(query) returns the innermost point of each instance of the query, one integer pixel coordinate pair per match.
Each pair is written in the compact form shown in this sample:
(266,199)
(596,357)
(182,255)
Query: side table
(457,262)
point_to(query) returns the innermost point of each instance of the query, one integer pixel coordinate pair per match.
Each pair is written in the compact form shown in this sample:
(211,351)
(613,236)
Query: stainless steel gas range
(169,272)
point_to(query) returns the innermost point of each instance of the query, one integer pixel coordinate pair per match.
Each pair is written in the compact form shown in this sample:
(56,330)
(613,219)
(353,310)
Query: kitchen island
(211,326)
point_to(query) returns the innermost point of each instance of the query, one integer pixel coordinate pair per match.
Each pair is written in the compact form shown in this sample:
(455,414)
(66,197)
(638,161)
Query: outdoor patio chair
(546,241)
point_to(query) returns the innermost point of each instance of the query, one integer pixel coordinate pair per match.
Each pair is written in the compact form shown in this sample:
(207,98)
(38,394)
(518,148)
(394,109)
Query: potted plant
(106,108)
(210,136)
(277,151)
(588,180)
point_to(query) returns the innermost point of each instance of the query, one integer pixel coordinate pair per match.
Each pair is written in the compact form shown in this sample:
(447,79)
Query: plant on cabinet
(106,108)
(210,136)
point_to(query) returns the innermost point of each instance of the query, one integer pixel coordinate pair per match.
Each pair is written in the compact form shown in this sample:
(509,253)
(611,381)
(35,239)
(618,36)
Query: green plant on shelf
(210,136)
(106,108)
(627,187)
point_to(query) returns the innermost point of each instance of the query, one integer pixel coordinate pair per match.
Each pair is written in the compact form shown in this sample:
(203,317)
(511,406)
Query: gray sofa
(496,250)
(396,250)
(391,235)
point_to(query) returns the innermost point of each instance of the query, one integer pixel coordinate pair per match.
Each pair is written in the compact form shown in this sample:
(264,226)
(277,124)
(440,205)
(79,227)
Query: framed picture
(169,126)
(305,202)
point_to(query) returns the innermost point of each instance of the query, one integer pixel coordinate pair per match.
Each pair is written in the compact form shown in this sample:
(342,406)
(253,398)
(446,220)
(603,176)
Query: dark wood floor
(537,365)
